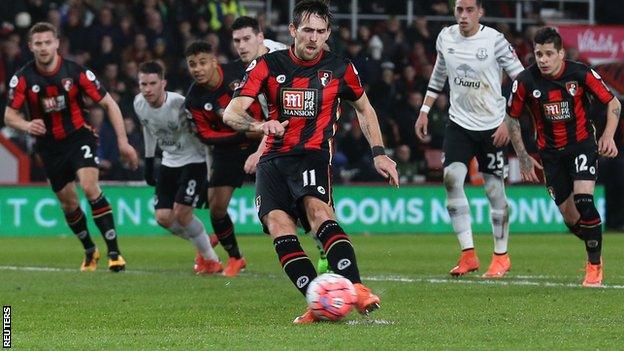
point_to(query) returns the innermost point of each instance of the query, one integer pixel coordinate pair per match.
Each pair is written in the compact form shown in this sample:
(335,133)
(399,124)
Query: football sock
(499,212)
(224,229)
(590,226)
(294,261)
(78,224)
(575,229)
(197,234)
(500,229)
(459,211)
(457,203)
(103,218)
(339,251)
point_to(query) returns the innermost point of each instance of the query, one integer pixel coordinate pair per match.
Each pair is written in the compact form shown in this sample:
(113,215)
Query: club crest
(325,77)
(572,87)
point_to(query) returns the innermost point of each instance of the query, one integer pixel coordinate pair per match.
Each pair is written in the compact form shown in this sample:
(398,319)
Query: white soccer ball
(331,296)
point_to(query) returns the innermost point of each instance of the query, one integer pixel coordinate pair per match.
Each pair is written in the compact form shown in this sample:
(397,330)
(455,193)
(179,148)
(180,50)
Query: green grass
(158,304)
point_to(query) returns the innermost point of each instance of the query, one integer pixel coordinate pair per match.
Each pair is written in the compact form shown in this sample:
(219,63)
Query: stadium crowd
(112,38)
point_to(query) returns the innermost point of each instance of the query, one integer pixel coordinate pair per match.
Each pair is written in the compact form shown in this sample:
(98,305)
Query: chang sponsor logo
(467,77)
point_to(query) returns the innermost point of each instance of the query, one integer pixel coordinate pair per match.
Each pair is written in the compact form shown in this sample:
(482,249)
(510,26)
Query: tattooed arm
(236,116)
(527,163)
(606,144)
(370,128)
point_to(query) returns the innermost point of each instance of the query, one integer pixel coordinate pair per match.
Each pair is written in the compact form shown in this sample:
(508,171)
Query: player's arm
(436,84)
(128,153)
(527,163)
(367,117)
(236,116)
(606,144)
(15,119)
(150,151)
(506,57)
(514,110)
(12,115)
(252,161)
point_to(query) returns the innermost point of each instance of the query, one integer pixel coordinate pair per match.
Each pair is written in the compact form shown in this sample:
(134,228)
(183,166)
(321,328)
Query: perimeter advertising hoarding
(33,210)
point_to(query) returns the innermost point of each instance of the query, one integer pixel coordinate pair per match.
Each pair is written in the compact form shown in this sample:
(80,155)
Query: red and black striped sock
(103,217)
(78,223)
(224,229)
(295,262)
(339,251)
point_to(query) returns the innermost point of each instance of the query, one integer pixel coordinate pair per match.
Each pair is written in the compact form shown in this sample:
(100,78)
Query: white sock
(197,234)
(499,213)
(459,211)
(500,230)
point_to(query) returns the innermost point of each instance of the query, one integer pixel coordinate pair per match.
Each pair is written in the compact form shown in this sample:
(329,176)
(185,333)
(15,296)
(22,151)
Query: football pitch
(159,304)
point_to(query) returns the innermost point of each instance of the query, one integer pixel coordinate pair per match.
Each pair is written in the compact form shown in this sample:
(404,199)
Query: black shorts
(228,166)
(282,182)
(461,145)
(64,157)
(184,185)
(578,161)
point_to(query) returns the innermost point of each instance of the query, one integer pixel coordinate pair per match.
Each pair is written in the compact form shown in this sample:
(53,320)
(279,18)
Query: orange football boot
(593,275)
(204,266)
(501,264)
(468,262)
(366,301)
(234,266)
(306,318)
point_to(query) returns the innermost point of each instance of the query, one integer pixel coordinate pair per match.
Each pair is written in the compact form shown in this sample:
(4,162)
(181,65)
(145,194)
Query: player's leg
(458,151)
(218,199)
(584,169)
(311,186)
(180,188)
(61,175)
(560,188)
(227,173)
(493,166)
(102,215)
(275,209)
(77,222)
(339,249)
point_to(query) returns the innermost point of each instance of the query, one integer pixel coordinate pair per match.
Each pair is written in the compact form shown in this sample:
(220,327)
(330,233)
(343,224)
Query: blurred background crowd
(395,61)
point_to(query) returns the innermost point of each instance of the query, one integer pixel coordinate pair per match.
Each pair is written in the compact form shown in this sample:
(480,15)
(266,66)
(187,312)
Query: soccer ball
(331,297)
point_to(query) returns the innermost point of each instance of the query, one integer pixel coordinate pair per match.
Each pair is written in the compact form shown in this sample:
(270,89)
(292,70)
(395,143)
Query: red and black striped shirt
(205,107)
(306,93)
(56,97)
(559,105)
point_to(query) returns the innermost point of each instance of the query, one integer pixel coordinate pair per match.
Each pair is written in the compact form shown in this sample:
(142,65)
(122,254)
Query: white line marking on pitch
(481,282)
(399,279)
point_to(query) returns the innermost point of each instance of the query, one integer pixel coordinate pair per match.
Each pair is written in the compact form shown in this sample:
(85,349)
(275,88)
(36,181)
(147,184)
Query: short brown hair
(41,27)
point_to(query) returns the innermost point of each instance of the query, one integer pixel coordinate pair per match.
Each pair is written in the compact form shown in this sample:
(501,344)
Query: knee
(217,210)
(91,190)
(164,220)
(69,205)
(183,216)
(454,175)
(586,207)
(279,223)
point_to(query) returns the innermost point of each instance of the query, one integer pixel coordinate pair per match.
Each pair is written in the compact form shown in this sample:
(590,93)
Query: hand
(421,126)
(252,162)
(527,168)
(36,127)
(273,127)
(501,135)
(387,168)
(606,147)
(148,172)
(129,155)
